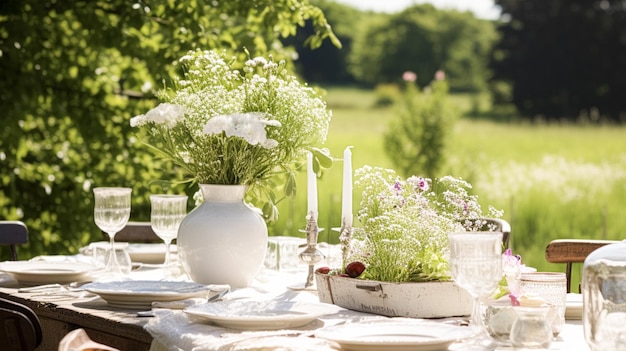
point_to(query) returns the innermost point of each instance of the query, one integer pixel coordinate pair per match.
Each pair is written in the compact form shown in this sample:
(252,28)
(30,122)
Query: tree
(423,39)
(415,139)
(328,63)
(73,75)
(564,59)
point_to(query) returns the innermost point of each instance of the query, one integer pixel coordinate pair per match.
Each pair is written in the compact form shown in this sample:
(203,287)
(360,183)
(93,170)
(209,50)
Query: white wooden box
(416,300)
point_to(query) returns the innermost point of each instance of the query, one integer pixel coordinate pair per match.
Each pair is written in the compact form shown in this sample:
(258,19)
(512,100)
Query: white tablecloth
(174,330)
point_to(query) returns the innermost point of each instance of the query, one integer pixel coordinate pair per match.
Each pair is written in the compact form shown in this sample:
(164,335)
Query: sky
(481,8)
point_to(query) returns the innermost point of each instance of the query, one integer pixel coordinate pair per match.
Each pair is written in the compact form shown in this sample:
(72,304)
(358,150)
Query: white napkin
(78,340)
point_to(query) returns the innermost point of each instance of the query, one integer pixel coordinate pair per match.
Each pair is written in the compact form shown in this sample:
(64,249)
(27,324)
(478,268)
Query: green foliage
(328,63)
(423,39)
(415,140)
(386,94)
(74,72)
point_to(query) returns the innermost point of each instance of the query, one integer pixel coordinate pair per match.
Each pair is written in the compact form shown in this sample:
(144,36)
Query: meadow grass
(552,181)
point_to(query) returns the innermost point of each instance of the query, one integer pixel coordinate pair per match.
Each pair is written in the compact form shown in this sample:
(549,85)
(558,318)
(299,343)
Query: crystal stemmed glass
(111,214)
(476,266)
(166,215)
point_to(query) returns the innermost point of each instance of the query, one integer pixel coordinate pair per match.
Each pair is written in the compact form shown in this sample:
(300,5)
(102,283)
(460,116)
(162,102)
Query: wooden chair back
(20,328)
(137,232)
(13,233)
(570,251)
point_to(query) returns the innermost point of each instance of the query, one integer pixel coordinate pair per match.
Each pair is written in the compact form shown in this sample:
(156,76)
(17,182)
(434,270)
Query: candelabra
(345,236)
(311,255)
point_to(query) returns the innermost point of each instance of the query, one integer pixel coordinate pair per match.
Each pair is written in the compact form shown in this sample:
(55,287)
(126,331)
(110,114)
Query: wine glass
(476,266)
(111,214)
(166,215)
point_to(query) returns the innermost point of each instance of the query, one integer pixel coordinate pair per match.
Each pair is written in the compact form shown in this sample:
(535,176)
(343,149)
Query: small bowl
(498,318)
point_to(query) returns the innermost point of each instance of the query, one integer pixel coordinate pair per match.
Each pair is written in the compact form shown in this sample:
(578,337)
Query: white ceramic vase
(224,240)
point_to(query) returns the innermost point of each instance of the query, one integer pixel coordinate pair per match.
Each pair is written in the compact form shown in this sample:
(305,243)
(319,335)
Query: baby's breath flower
(405,224)
(227,123)
(167,115)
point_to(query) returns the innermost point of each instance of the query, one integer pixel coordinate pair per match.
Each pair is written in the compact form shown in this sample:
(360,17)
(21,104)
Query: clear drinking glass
(282,253)
(101,255)
(531,330)
(111,214)
(552,288)
(168,211)
(476,266)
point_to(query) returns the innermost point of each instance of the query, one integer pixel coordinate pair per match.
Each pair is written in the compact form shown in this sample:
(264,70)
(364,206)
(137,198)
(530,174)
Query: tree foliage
(328,63)
(74,72)
(564,58)
(423,39)
(415,139)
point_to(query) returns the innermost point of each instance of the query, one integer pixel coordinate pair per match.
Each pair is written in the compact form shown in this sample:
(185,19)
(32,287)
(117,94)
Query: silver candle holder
(345,236)
(311,255)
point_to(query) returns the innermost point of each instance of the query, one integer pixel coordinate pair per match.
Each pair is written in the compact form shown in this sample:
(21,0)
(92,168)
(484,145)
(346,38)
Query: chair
(501,226)
(20,328)
(137,232)
(13,233)
(570,251)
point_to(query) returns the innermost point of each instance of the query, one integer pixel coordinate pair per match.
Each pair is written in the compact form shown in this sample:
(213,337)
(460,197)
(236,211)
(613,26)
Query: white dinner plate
(29,273)
(395,335)
(139,294)
(149,253)
(574,306)
(259,315)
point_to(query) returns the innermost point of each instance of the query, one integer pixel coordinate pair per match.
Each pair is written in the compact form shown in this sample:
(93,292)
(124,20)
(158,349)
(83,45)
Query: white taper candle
(311,187)
(346,200)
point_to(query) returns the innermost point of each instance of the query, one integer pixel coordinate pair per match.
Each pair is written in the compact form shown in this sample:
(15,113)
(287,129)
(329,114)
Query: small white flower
(249,126)
(260,60)
(165,114)
(270,65)
(138,121)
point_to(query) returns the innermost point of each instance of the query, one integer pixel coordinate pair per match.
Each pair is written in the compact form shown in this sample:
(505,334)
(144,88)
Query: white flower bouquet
(231,123)
(404,229)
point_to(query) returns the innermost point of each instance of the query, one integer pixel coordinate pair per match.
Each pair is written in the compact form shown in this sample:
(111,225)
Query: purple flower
(514,299)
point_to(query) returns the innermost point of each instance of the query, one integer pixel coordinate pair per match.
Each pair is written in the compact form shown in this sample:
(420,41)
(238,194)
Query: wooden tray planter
(416,300)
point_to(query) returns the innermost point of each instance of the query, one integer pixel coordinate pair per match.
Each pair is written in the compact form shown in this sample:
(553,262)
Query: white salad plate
(574,306)
(258,315)
(29,273)
(399,335)
(149,253)
(139,294)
